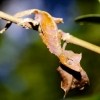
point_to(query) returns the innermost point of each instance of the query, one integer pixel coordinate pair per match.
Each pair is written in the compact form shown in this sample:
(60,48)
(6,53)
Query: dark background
(28,69)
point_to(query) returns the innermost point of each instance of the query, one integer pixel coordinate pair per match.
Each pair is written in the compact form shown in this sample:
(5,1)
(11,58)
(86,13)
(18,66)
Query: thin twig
(9,17)
(74,40)
(84,44)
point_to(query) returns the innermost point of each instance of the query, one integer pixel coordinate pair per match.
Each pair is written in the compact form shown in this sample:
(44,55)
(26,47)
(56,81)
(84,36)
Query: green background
(29,72)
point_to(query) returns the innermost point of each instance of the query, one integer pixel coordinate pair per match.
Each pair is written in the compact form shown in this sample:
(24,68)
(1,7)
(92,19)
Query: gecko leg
(58,20)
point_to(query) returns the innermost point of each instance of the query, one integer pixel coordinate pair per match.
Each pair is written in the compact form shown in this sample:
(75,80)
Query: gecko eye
(70,62)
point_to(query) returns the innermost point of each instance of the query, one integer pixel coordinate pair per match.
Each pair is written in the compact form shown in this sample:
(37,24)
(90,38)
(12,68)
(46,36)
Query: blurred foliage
(29,72)
(92,18)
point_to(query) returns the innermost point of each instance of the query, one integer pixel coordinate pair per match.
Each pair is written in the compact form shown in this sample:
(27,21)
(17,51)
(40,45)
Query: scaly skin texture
(73,76)
(49,31)
(52,37)
(26,13)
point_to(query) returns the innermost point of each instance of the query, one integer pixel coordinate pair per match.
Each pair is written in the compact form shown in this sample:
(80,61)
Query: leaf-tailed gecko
(49,32)
(51,36)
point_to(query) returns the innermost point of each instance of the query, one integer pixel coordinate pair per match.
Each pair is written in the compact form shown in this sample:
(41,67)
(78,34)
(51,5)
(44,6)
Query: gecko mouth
(74,73)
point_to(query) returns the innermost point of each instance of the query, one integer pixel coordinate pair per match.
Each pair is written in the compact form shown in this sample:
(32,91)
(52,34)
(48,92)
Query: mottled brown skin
(49,31)
(51,36)
(25,22)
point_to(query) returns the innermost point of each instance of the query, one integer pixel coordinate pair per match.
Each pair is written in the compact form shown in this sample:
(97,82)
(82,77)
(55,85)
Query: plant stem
(9,17)
(84,44)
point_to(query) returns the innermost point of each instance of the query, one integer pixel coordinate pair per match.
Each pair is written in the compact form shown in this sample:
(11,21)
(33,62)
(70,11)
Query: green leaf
(92,18)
